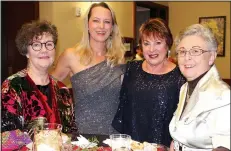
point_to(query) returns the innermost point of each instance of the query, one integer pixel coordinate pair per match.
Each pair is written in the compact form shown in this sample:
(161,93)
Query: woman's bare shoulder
(69,52)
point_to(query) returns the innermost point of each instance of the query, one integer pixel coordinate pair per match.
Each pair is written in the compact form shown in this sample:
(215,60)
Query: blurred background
(68,17)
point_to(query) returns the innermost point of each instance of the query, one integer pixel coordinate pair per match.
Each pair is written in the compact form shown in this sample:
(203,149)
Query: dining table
(105,147)
(100,145)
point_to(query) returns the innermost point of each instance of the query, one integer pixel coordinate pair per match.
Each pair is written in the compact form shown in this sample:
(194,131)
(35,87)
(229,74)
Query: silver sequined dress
(96,95)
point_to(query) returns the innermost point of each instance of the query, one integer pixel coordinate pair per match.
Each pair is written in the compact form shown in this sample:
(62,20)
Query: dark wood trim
(150,5)
(14,15)
(153,5)
(228,81)
(36,8)
(134,20)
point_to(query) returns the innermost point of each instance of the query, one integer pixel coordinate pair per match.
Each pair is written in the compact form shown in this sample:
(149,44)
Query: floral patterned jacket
(21,102)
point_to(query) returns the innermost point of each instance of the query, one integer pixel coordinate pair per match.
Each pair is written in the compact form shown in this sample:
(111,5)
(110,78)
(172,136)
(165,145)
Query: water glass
(120,142)
(35,123)
(48,137)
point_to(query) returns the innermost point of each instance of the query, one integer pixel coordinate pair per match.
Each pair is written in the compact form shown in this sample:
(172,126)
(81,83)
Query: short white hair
(201,30)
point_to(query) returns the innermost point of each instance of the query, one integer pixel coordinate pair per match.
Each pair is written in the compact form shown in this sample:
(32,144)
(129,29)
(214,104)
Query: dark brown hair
(156,27)
(32,30)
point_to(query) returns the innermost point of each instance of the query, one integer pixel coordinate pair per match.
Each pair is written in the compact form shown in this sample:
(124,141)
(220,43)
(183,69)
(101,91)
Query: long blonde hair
(115,48)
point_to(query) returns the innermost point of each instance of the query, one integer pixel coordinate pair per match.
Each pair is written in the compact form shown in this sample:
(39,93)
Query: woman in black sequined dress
(150,89)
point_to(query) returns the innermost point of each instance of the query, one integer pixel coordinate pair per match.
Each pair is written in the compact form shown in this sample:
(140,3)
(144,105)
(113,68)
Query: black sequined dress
(96,95)
(147,104)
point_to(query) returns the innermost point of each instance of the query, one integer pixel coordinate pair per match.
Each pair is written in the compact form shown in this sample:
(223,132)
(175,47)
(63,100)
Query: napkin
(107,141)
(83,143)
(15,139)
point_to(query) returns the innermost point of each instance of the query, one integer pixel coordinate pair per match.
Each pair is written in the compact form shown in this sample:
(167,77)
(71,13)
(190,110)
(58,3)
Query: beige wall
(70,27)
(124,16)
(182,14)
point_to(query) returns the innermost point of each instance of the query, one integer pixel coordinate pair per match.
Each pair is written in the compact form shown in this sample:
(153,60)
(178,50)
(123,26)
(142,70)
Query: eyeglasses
(37,46)
(192,52)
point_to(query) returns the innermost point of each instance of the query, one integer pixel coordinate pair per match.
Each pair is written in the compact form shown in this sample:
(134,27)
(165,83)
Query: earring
(169,53)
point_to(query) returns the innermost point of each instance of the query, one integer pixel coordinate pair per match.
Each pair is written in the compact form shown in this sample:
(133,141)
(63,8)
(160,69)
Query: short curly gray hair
(201,30)
(32,30)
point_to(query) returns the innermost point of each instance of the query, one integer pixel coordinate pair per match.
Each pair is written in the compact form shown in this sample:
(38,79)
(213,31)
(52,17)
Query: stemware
(120,142)
(48,137)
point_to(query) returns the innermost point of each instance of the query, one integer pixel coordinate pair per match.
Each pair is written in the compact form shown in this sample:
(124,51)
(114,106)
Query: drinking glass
(120,142)
(35,123)
(48,137)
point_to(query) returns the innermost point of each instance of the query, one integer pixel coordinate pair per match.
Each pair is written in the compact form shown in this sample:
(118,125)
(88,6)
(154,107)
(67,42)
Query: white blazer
(206,121)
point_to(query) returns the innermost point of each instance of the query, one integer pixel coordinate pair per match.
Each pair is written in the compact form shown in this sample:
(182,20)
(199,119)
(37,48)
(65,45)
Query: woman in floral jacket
(32,93)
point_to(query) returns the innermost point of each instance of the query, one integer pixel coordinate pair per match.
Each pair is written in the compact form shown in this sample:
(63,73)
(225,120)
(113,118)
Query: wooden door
(156,10)
(14,15)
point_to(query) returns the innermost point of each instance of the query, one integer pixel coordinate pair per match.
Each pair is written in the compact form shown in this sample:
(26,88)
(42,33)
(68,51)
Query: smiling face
(194,66)
(43,59)
(100,24)
(154,50)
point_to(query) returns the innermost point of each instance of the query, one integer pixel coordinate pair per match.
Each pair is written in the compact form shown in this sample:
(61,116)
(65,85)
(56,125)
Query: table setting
(114,142)
(50,138)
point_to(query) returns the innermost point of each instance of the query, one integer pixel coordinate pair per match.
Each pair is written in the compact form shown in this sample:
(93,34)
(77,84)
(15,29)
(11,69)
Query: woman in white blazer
(202,118)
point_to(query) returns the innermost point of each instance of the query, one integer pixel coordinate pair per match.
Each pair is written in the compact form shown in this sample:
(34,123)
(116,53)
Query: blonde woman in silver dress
(95,66)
